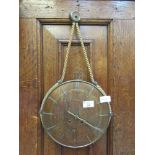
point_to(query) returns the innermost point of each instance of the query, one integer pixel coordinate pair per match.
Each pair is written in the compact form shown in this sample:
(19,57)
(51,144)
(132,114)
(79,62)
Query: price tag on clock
(88,104)
(105,99)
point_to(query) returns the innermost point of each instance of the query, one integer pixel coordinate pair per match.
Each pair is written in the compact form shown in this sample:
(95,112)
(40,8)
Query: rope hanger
(75,18)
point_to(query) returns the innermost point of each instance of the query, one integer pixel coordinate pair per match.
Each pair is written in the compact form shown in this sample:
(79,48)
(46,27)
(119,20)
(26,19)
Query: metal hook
(74,16)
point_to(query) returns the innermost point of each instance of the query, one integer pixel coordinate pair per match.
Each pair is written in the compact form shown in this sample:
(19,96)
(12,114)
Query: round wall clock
(75,113)
(72,114)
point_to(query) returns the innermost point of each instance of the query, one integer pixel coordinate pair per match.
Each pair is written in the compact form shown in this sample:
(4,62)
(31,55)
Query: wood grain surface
(87,9)
(122,77)
(29,88)
(108,31)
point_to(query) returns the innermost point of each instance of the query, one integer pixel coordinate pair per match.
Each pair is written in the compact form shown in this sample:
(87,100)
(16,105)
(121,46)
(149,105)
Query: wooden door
(107,28)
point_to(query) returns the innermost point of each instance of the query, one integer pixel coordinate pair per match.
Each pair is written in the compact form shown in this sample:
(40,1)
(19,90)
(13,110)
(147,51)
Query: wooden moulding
(84,21)
(87,9)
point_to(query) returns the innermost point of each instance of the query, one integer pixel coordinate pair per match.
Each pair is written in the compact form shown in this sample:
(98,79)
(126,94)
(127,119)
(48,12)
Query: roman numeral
(52,99)
(102,115)
(47,113)
(51,127)
(88,138)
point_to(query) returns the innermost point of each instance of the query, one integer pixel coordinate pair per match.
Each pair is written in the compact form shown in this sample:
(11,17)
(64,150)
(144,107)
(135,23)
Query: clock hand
(81,119)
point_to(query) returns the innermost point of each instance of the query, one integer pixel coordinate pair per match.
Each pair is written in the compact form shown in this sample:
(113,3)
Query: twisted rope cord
(84,52)
(67,53)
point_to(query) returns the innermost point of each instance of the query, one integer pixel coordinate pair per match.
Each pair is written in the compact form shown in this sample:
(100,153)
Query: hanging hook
(74,16)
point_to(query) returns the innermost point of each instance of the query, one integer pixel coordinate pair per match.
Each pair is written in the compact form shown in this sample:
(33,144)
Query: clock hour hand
(84,121)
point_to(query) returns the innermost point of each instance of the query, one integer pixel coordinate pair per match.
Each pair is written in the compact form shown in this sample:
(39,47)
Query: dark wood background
(108,31)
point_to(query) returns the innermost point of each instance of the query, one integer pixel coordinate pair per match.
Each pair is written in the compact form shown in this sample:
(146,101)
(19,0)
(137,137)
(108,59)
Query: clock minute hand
(81,119)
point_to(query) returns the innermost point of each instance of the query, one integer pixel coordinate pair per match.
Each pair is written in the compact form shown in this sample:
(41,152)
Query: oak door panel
(55,39)
(29,88)
(122,75)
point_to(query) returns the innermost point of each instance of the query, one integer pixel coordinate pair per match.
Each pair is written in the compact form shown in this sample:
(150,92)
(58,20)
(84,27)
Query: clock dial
(72,114)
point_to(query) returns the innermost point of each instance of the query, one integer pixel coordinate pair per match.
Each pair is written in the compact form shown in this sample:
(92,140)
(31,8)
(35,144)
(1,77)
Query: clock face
(72,114)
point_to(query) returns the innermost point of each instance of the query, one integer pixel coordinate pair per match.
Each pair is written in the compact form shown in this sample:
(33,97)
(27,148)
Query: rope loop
(75,24)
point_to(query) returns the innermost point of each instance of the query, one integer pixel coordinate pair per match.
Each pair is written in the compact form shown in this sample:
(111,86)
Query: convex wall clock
(75,113)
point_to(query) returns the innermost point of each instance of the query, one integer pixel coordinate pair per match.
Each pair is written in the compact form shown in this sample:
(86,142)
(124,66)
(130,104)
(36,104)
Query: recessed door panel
(55,39)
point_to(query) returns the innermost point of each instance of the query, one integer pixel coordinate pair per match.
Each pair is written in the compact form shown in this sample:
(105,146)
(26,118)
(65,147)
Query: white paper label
(104,99)
(88,104)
